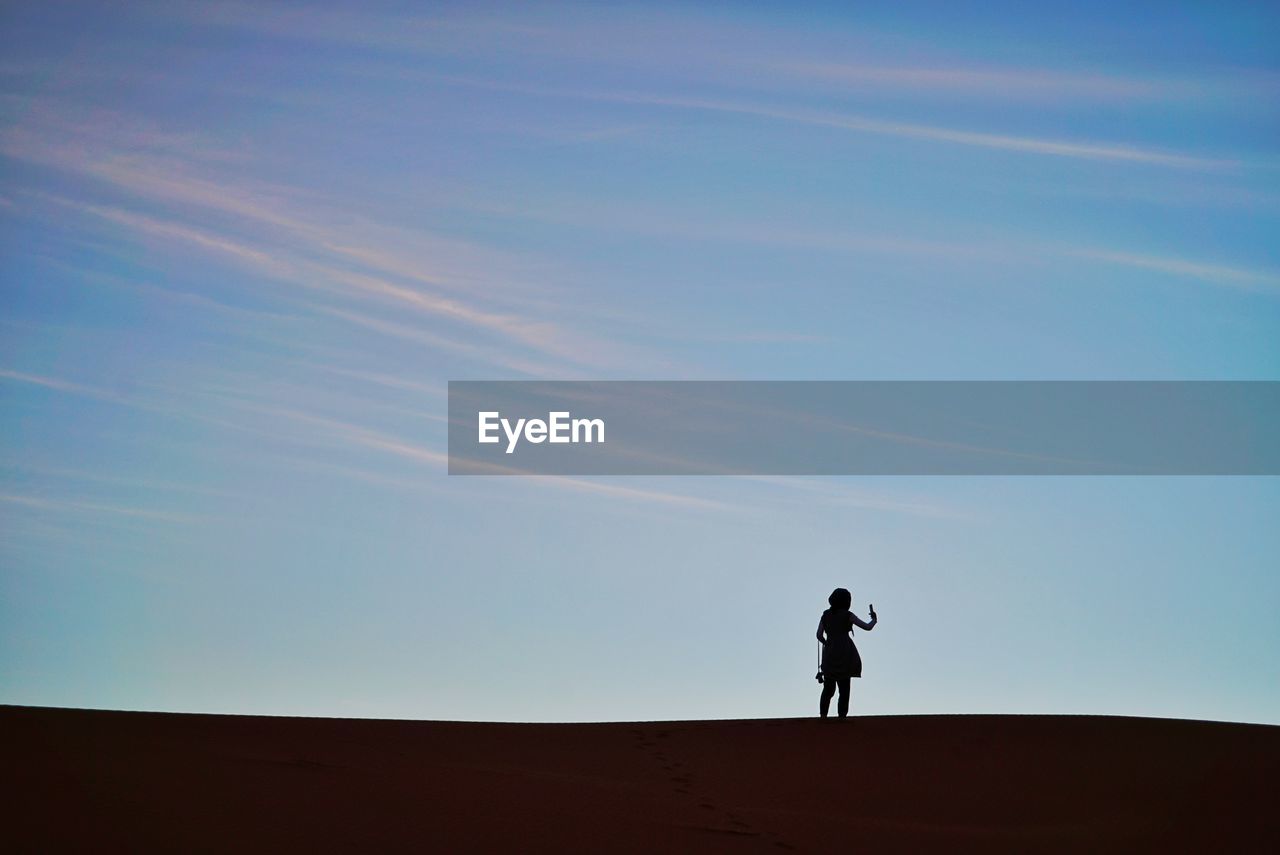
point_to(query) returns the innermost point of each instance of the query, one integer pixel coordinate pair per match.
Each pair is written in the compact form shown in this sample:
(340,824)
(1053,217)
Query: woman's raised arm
(861,624)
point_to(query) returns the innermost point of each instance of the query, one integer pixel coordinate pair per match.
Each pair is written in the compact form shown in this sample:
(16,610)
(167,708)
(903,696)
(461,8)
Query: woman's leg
(842,706)
(828,689)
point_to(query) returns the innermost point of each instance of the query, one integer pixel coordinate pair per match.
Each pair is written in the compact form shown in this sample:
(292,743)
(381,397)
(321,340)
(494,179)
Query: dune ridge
(89,780)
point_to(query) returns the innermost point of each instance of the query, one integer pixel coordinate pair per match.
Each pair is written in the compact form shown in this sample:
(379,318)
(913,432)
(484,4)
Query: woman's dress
(839,655)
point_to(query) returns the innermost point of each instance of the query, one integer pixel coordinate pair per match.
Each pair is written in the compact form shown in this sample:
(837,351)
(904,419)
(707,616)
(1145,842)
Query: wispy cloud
(304,251)
(708,50)
(58,384)
(1013,248)
(375,440)
(357,436)
(43,504)
(316,274)
(172,408)
(63,473)
(152,293)
(602,488)
(838,492)
(355,473)
(1216,273)
(1025,83)
(1078,149)
(435,392)
(427,338)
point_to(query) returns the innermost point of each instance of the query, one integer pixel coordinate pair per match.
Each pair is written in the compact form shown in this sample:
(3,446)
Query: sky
(244,247)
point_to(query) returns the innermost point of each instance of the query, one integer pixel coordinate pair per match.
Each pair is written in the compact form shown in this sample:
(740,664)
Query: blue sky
(243,251)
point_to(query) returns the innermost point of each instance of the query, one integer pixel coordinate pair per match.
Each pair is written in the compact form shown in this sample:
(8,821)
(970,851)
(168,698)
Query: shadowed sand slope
(122,781)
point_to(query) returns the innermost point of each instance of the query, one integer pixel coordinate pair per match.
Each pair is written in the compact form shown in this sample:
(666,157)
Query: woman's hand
(873,612)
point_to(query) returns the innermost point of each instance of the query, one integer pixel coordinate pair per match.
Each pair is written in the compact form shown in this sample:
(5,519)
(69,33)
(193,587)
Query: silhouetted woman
(840,659)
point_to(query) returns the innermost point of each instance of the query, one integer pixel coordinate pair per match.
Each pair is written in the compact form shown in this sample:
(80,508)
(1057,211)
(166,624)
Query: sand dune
(122,781)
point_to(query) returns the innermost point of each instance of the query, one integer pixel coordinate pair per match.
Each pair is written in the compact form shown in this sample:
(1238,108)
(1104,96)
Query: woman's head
(840,598)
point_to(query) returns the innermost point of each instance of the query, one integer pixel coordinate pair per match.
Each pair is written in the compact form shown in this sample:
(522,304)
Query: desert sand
(98,781)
